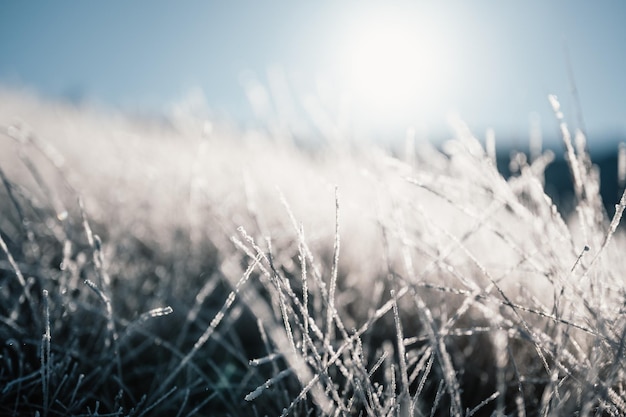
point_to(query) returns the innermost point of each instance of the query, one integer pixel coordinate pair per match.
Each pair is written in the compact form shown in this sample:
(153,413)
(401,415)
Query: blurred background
(362,69)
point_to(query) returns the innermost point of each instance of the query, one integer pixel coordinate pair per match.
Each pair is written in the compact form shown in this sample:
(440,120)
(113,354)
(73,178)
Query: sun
(393,64)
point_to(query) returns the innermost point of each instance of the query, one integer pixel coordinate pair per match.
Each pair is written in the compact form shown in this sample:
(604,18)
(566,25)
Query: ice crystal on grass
(181,283)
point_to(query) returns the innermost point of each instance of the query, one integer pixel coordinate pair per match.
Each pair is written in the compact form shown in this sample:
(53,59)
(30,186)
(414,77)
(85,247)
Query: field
(173,267)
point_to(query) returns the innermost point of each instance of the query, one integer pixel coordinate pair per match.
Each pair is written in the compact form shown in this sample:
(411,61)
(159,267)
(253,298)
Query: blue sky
(491,62)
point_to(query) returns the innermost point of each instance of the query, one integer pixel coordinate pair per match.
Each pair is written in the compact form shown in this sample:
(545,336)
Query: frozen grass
(171,270)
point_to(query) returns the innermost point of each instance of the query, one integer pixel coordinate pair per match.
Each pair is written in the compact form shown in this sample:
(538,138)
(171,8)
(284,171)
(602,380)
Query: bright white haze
(393,64)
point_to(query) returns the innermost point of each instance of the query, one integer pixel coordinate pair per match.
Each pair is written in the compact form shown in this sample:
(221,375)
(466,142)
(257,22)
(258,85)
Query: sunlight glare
(394,65)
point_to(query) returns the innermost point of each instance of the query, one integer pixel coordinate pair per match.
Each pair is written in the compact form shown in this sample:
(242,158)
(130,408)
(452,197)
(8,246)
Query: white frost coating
(161,311)
(272,381)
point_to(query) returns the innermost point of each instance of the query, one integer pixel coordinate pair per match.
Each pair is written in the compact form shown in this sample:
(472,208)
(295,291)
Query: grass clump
(158,271)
